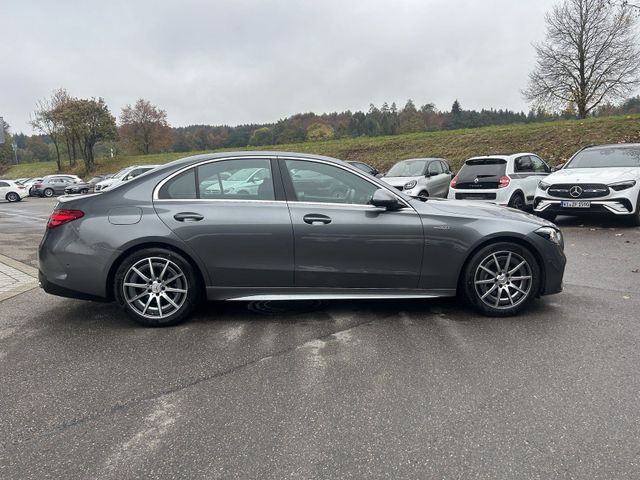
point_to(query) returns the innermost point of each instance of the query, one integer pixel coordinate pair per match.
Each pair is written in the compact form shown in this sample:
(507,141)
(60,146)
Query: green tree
(319,131)
(261,136)
(6,151)
(144,128)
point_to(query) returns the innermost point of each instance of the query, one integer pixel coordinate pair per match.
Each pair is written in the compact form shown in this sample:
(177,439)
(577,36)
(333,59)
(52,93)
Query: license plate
(575,204)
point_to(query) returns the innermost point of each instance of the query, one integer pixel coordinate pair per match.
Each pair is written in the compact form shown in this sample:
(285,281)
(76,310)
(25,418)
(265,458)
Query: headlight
(409,185)
(544,186)
(552,234)
(622,185)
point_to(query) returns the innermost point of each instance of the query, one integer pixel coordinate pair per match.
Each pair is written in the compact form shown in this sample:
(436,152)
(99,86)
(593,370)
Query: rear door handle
(316,219)
(188,217)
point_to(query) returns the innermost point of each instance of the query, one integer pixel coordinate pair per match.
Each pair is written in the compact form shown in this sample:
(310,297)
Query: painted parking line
(21,215)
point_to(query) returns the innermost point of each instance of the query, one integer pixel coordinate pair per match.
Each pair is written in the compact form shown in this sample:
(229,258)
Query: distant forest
(308,127)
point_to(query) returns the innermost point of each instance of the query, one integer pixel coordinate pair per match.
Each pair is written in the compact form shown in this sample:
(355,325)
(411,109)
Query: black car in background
(365,168)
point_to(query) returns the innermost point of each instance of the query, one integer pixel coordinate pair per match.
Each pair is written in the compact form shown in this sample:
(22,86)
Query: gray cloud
(255,61)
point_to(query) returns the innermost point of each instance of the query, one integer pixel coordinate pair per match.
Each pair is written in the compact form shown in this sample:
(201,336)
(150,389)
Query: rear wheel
(517,201)
(12,197)
(48,192)
(84,191)
(501,279)
(157,287)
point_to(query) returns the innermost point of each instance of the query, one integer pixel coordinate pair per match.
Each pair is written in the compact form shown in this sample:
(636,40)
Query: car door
(437,179)
(341,241)
(244,238)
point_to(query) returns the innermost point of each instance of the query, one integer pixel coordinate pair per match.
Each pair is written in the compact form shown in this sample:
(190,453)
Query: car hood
(398,181)
(594,175)
(471,209)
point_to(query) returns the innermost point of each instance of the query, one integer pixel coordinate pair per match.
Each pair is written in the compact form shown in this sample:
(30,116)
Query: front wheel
(12,197)
(157,287)
(501,279)
(423,194)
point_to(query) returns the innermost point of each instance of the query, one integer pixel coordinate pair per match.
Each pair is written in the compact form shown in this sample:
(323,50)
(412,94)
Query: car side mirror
(558,167)
(383,199)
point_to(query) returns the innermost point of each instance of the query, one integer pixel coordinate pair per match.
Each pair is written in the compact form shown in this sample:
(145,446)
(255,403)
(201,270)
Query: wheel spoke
(519,289)
(488,271)
(498,297)
(164,270)
(147,304)
(159,306)
(138,297)
(497,263)
(140,274)
(488,292)
(151,272)
(166,297)
(175,290)
(524,277)
(509,295)
(524,262)
(506,267)
(481,282)
(174,278)
(136,285)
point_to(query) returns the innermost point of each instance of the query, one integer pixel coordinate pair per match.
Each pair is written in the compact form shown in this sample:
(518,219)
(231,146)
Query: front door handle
(188,217)
(316,219)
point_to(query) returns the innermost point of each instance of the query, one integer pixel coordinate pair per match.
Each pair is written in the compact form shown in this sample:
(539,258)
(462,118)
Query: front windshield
(242,175)
(606,158)
(122,173)
(408,168)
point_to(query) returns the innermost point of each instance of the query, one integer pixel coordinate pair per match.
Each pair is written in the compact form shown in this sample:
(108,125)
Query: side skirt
(264,294)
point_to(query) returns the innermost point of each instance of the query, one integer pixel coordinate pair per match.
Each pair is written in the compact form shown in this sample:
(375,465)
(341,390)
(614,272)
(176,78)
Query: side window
(319,182)
(435,168)
(182,186)
(242,179)
(538,165)
(523,164)
(445,166)
(3,184)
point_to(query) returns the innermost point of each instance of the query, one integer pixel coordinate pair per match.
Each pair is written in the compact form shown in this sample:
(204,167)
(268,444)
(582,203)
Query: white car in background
(12,191)
(509,180)
(420,177)
(122,176)
(597,179)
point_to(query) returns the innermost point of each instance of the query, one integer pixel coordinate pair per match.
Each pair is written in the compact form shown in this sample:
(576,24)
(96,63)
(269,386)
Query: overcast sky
(253,61)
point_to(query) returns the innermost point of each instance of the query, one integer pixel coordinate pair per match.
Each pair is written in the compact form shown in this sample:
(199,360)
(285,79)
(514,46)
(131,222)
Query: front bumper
(615,206)
(552,262)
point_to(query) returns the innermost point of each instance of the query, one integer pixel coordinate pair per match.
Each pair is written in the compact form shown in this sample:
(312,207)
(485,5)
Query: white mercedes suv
(597,179)
(503,179)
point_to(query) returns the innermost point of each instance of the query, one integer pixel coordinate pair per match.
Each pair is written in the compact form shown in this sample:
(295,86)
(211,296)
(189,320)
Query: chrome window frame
(355,171)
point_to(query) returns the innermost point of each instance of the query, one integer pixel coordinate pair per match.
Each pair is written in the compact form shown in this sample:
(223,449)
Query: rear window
(479,167)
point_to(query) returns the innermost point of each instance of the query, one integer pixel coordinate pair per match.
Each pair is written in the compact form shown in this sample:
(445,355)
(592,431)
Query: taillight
(38,185)
(454,182)
(60,217)
(504,182)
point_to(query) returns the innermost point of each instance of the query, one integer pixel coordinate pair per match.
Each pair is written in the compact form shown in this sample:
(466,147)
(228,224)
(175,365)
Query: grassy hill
(553,141)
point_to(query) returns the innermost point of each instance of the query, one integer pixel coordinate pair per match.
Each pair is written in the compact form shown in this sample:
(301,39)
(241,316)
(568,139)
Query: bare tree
(45,120)
(590,55)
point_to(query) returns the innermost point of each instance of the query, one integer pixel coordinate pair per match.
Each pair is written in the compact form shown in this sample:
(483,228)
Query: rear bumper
(60,291)
(497,196)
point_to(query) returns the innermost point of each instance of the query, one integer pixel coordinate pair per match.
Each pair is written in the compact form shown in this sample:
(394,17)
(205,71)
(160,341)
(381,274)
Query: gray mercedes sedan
(275,226)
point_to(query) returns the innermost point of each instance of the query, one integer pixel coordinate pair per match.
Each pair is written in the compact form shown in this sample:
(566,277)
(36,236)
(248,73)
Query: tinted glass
(490,167)
(182,186)
(364,167)
(243,179)
(445,166)
(408,168)
(538,165)
(319,182)
(524,164)
(435,168)
(4,184)
(606,157)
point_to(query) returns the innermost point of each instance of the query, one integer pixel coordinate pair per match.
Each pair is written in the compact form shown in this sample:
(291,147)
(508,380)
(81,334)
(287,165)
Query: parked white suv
(420,177)
(122,176)
(597,179)
(503,179)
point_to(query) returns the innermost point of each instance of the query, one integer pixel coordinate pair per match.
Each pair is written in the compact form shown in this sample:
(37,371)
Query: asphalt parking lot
(357,389)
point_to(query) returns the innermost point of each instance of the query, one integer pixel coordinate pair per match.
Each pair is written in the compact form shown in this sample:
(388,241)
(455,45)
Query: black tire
(423,194)
(126,295)
(505,252)
(48,192)
(517,201)
(84,191)
(12,197)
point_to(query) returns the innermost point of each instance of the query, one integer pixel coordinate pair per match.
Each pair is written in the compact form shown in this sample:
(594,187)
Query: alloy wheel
(12,197)
(503,280)
(155,287)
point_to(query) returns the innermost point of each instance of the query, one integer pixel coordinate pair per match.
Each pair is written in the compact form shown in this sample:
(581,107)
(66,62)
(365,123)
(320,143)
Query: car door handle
(316,219)
(188,217)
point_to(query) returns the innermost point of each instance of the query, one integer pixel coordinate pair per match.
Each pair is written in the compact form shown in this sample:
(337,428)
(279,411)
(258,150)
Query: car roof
(614,145)
(501,156)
